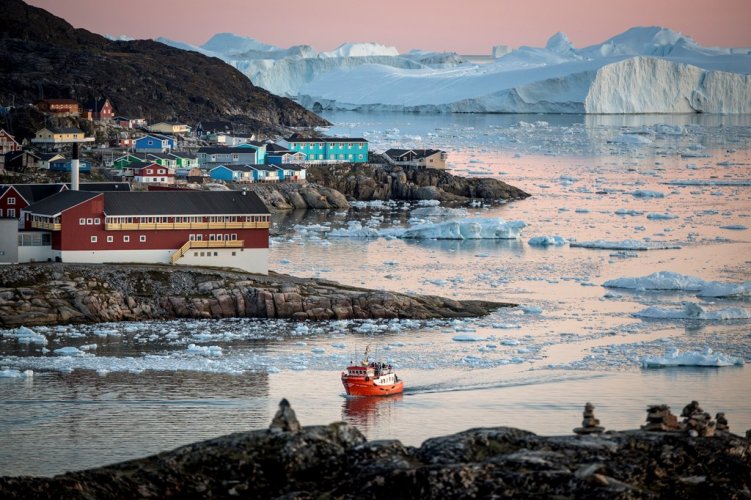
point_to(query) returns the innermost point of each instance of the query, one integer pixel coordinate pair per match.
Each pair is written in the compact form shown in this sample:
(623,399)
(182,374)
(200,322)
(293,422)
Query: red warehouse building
(210,228)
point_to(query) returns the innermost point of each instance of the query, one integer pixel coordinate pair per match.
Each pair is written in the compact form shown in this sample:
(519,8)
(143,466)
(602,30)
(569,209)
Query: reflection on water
(366,412)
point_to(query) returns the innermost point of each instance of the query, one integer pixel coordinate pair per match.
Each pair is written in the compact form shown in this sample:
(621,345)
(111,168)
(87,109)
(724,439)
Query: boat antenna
(367,350)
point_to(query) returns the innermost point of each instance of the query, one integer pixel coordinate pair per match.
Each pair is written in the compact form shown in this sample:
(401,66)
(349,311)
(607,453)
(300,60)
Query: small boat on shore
(371,378)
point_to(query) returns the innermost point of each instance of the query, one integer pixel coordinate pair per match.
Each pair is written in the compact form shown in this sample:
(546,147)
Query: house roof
(183,155)
(273,148)
(102,187)
(163,156)
(58,101)
(58,202)
(216,126)
(49,156)
(34,192)
(63,130)
(300,138)
(96,104)
(290,166)
(419,153)
(267,168)
(145,203)
(12,155)
(235,168)
(210,150)
(136,165)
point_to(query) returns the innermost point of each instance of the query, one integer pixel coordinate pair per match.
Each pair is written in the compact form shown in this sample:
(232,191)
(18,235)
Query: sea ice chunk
(674,357)
(546,241)
(694,311)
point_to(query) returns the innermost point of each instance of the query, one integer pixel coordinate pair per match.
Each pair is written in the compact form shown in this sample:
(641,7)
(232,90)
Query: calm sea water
(144,389)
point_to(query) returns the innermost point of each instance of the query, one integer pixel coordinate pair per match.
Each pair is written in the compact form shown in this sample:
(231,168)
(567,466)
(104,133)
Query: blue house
(330,149)
(289,172)
(154,143)
(232,173)
(278,155)
(64,165)
(264,173)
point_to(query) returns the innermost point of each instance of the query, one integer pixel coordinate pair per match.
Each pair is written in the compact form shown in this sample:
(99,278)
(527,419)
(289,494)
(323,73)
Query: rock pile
(590,425)
(285,419)
(697,422)
(722,422)
(659,418)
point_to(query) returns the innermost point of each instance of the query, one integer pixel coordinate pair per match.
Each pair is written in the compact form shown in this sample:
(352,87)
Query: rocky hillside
(43,56)
(336,461)
(387,182)
(48,294)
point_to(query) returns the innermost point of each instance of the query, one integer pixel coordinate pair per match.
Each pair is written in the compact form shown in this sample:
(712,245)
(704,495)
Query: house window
(212,237)
(11,212)
(81,222)
(199,237)
(360,157)
(216,254)
(11,201)
(97,221)
(150,143)
(89,221)
(126,239)
(110,239)
(233,236)
(142,238)
(203,253)
(192,237)
(93,239)
(234,253)
(195,254)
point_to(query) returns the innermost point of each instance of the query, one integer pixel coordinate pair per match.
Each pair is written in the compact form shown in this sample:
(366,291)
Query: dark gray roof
(300,138)
(58,202)
(34,192)
(225,150)
(102,187)
(275,148)
(154,203)
(182,154)
(163,156)
(419,153)
(267,168)
(235,168)
(65,130)
(290,166)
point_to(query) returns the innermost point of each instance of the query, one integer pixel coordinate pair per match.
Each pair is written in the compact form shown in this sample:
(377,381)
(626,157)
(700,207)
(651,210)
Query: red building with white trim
(154,174)
(210,228)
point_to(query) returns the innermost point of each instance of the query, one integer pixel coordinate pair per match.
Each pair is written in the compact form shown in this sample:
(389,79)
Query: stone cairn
(285,419)
(590,425)
(722,422)
(697,422)
(659,418)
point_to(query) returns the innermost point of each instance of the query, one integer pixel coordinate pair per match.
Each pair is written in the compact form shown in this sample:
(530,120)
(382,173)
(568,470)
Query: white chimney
(74,168)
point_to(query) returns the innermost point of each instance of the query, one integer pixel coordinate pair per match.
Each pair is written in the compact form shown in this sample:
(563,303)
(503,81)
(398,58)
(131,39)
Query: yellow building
(170,128)
(59,135)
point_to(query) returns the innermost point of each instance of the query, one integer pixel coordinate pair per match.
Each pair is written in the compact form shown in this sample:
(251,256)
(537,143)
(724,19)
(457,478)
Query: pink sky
(467,27)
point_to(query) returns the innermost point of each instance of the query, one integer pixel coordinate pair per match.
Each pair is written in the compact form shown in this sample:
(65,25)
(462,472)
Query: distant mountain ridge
(42,55)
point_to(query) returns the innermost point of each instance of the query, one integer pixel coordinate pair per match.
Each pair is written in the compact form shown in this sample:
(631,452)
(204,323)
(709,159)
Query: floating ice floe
(11,373)
(547,241)
(468,337)
(734,227)
(675,357)
(694,311)
(666,280)
(467,229)
(26,335)
(657,216)
(354,229)
(643,193)
(438,211)
(630,139)
(663,280)
(68,351)
(624,245)
(212,351)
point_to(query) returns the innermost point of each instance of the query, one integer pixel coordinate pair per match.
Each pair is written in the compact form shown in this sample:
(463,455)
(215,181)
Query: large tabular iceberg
(675,357)
(666,280)
(644,70)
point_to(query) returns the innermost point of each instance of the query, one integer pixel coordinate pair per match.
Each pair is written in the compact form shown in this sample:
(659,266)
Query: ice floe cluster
(667,280)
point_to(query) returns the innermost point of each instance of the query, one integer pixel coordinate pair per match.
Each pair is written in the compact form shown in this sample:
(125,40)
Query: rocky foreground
(48,294)
(336,461)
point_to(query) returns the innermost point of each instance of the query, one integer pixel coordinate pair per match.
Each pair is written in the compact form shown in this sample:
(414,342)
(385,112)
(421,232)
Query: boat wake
(498,384)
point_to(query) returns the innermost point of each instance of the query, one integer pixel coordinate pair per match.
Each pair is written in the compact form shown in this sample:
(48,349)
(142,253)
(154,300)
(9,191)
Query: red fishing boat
(371,378)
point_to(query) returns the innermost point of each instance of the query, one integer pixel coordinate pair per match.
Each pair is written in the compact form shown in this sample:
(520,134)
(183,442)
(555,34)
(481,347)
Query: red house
(210,228)
(58,106)
(154,174)
(99,109)
(16,197)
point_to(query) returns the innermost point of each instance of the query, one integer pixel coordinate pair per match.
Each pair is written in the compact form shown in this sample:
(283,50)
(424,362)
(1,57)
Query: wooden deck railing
(191,244)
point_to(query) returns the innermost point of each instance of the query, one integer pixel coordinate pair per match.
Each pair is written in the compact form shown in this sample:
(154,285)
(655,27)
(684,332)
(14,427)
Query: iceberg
(624,245)
(547,241)
(354,229)
(643,70)
(467,229)
(674,357)
(26,335)
(693,311)
(663,280)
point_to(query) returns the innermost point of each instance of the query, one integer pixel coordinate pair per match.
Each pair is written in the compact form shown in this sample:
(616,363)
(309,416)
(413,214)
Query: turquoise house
(330,149)
(264,173)
(259,147)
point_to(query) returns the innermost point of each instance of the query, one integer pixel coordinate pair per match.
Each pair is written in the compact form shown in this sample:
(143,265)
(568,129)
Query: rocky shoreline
(333,186)
(57,293)
(336,461)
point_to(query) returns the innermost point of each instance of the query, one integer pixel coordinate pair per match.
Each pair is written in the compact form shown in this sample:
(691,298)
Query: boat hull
(356,386)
